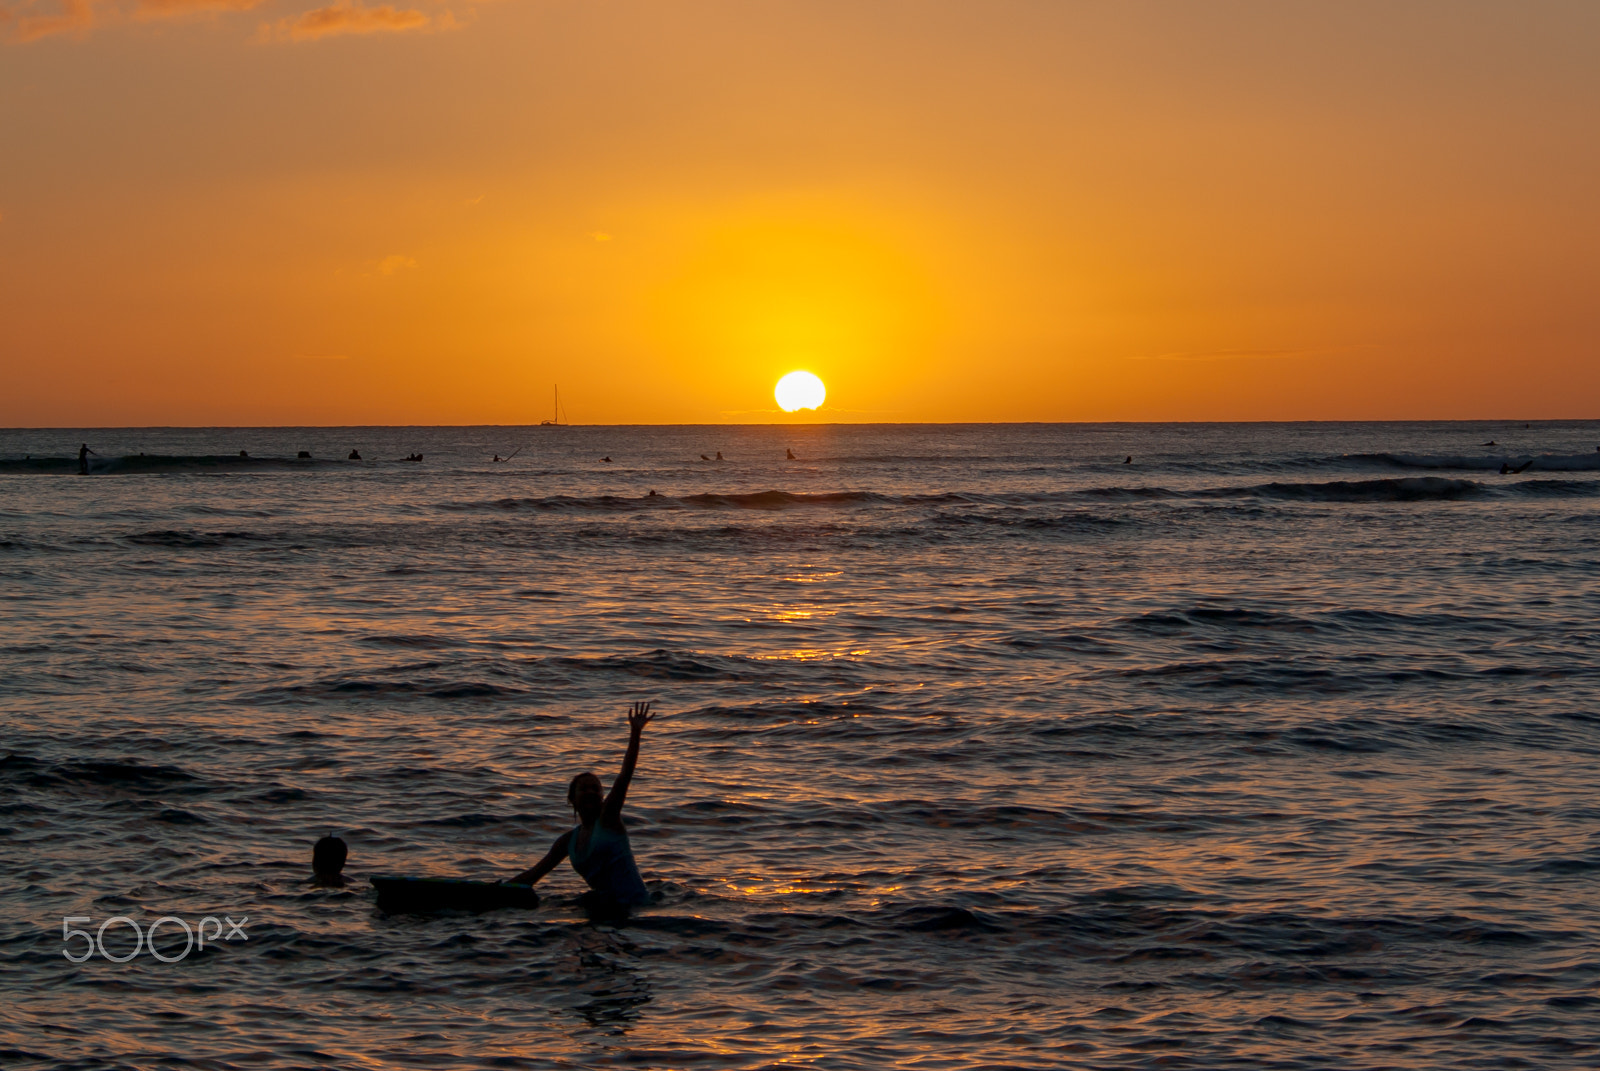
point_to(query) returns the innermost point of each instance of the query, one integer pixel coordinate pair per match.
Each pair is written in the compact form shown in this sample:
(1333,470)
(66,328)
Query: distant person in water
(327,861)
(1128,460)
(83,459)
(355,455)
(719,455)
(791,456)
(598,845)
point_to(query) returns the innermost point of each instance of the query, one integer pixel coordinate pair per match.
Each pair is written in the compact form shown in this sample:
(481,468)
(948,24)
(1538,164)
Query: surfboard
(404,895)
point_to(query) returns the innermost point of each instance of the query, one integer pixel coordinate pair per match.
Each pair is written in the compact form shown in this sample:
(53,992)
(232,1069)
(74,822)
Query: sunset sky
(270,212)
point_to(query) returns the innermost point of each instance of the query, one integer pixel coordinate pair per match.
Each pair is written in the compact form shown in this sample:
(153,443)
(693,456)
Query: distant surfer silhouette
(598,845)
(1505,467)
(244,453)
(791,455)
(1128,460)
(1491,442)
(83,459)
(355,455)
(496,457)
(607,458)
(719,455)
(705,458)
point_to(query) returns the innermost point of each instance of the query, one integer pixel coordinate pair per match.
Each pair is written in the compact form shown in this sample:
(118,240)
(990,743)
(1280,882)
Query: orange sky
(264,212)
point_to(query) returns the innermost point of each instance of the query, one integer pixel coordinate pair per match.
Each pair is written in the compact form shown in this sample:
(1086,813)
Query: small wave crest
(754,500)
(1406,489)
(1391,489)
(659,664)
(1484,462)
(1401,489)
(127,775)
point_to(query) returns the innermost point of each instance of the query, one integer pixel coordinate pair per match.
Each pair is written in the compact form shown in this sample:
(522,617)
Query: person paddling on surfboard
(598,845)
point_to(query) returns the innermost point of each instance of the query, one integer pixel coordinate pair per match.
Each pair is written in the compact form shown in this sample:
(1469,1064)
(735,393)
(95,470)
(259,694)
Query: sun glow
(800,390)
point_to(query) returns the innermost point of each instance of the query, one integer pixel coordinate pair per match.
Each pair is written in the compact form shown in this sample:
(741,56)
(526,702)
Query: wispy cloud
(160,9)
(30,20)
(348,18)
(395,263)
(1225,355)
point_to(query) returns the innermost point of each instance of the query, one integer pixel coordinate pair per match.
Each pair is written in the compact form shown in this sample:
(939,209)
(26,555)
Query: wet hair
(328,855)
(572,786)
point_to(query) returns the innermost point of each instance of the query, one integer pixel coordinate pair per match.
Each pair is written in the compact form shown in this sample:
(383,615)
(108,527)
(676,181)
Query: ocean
(991,746)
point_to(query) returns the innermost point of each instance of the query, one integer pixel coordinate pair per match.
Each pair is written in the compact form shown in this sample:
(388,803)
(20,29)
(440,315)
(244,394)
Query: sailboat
(555,421)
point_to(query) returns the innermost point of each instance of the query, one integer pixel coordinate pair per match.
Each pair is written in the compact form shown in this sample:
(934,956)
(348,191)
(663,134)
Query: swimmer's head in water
(328,856)
(587,796)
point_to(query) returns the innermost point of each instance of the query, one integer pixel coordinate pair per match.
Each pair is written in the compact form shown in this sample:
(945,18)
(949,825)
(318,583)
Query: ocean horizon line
(823,424)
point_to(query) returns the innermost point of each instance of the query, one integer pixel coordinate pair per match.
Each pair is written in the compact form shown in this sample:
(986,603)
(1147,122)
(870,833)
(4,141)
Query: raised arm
(557,852)
(638,717)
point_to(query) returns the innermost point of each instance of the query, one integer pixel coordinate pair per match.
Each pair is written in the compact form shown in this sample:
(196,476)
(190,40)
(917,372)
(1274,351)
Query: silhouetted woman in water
(598,844)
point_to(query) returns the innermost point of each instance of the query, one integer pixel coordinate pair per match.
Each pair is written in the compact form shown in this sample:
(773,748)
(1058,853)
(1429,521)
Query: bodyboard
(401,895)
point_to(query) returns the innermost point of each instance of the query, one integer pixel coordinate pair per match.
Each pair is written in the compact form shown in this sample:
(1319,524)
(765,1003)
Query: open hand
(639,716)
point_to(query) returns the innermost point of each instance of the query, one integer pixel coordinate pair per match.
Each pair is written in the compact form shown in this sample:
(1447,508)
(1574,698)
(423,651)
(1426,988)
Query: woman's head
(587,795)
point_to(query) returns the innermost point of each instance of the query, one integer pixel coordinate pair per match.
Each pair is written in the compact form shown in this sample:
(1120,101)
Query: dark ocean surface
(1277,747)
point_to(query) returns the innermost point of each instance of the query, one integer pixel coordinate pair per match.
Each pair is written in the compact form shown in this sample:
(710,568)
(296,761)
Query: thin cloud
(1225,355)
(1252,354)
(29,20)
(162,9)
(396,263)
(348,18)
(826,409)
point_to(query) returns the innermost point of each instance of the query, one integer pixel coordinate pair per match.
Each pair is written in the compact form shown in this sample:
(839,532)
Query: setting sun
(800,390)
